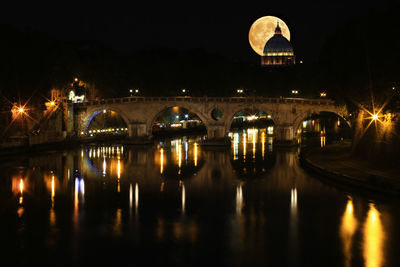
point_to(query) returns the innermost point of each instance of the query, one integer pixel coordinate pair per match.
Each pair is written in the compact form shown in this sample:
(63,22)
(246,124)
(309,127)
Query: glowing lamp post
(295,92)
(322,94)
(240,92)
(133,92)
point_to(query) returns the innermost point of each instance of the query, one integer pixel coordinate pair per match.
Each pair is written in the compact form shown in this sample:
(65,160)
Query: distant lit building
(77,92)
(278,51)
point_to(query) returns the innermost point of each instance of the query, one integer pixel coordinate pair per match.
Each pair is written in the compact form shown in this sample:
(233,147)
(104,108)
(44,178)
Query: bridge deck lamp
(295,92)
(239,91)
(322,94)
(76,79)
(136,91)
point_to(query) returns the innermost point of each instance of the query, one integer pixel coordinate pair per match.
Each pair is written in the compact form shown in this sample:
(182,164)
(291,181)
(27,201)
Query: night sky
(216,28)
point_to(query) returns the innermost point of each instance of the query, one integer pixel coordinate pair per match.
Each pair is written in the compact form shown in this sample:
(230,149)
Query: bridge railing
(138,99)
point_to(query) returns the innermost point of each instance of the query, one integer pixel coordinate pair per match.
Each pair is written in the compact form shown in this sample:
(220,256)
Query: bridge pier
(216,135)
(285,135)
(137,133)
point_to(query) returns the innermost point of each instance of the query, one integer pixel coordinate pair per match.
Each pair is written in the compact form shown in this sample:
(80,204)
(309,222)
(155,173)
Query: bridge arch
(91,114)
(304,115)
(262,108)
(154,114)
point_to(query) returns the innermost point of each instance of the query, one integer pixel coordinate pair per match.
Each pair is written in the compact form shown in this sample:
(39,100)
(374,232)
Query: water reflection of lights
(179,158)
(104,166)
(21,189)
(244,146)
(254,142)
(136,198)
(195,154)
(293,198)
(161,160)
(52,191)
(373,240)
(239,199)
(323,140)
(235,146)
(183,198)
(130,198)
(263,144)
(347,229)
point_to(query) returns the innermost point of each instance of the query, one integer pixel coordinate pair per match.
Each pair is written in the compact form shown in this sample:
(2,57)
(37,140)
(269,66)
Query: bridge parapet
(281,100)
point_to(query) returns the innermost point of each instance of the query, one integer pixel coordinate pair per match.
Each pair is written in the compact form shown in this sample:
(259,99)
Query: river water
(177,203)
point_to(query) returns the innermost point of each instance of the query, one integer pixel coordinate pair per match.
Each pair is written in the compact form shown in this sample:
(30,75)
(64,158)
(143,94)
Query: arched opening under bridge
(105,123)
(177,121)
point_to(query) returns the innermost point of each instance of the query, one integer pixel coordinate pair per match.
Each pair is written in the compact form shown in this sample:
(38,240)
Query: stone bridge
(140,113)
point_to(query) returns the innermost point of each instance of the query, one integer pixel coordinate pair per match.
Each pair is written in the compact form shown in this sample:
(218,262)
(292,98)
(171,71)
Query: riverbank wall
(337,164)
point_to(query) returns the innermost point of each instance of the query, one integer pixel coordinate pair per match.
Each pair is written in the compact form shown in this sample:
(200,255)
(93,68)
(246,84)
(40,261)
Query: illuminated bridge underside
(140,113)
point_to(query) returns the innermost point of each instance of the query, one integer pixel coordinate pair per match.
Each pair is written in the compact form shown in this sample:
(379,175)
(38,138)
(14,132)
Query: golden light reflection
(161,160)
(118,222)
(293,199)
(373,240)
(195,154)
(244,146)
(347,229)
(179,157)
(130,198)
(119,175)
(239,199)
(76,204)
(323,140)
(263,145)
(136,198)
(183,198)
(53,193)
(254,143)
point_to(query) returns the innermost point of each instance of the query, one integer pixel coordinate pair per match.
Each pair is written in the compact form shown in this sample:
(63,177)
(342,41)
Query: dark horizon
(214,29)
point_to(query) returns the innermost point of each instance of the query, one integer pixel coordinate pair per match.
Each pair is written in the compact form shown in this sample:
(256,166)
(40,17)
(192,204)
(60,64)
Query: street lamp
(295,92)
(322,94)
(133,92)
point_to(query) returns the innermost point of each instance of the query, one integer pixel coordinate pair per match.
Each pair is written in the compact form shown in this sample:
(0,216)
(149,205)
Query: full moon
(263,29)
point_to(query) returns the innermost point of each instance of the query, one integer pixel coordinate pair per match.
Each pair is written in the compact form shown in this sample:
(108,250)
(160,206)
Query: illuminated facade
(278,51)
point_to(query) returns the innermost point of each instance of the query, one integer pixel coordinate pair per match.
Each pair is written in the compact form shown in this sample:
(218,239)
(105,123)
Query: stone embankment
(336,163)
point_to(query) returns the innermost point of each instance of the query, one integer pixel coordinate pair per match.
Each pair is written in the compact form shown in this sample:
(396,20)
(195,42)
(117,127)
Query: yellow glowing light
(262,144)
(195,154)
(52,103)
(21,186)
(375,116)
(136,198)
(254,144)
(347,229)
(244,146)
(183,198)
(53,192)
(239,199)
(263,29)
(373,239)
(161,160)
(76,79)
(179,157)
(21,110)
